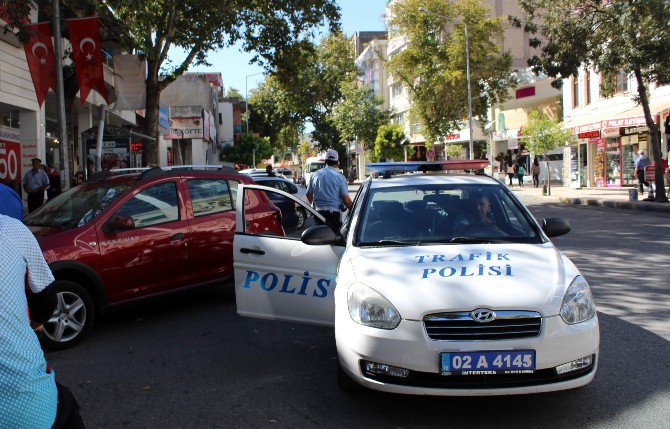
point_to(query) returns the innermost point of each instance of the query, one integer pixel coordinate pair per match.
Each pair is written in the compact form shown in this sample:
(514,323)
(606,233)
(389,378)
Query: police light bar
(423,166)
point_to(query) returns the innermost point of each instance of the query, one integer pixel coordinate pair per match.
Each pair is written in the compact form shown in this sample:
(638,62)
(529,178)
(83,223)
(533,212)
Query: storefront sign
(136,146)
(610,124)
(649,173)
(625,122)
(629,131)
(589,135)
(115,153)
(600,143)
(190,127)
(525,92)
(10,155)
(610,132)
(586,128)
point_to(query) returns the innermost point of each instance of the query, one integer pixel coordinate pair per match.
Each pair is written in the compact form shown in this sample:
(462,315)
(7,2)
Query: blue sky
(357,15)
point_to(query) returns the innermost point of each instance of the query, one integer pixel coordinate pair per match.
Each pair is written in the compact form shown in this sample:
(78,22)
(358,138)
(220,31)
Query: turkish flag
(41,61)
(85,40)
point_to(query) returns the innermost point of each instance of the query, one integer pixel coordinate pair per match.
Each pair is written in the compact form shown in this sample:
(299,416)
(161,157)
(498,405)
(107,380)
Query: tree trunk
(546,162)
(151,121)
(660,197)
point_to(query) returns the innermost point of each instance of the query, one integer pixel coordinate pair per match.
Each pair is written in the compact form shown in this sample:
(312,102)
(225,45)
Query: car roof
(172,171)
(266,177)
(431,179)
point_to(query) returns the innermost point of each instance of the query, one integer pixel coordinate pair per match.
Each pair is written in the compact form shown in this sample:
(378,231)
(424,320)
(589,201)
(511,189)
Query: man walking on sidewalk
(327,189)
(35,182)
(640,163)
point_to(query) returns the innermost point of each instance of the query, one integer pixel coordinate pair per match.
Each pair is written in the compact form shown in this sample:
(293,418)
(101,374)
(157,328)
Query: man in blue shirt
(640,163)
(327,190)
(10,203)
(35,182)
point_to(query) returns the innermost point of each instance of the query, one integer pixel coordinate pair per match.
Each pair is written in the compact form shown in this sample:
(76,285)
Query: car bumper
(409,347)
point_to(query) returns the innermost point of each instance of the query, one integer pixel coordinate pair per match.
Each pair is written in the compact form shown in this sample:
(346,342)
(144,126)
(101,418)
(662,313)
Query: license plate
(483,363)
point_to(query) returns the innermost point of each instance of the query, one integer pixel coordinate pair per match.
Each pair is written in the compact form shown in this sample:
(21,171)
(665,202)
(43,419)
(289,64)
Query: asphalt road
(191,362)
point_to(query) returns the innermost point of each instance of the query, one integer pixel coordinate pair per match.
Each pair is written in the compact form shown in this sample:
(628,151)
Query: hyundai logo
(483,315)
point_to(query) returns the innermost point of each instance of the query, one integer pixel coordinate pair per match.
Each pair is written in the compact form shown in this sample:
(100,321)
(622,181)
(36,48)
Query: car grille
(460,326)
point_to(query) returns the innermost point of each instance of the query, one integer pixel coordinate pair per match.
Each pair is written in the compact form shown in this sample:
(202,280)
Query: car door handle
(254,251)
(177,237)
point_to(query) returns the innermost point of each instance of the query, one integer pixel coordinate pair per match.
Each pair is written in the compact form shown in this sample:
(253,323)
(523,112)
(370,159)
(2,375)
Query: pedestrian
(10,202)
(535,171)
(520,172)
(29,394)
(640,163)
(54,181)
(327,190)
(268,170)
(666,172)
(510,172)
(35,182)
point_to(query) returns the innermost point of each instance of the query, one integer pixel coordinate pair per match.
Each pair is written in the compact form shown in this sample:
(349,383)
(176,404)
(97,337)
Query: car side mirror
(555,226)
(118,223)
(320,235)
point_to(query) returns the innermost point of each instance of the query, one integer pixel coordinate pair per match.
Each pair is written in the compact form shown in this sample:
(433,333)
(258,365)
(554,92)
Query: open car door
(282,278)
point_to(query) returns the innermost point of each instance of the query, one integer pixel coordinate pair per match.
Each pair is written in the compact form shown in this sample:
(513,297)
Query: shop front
(605,152)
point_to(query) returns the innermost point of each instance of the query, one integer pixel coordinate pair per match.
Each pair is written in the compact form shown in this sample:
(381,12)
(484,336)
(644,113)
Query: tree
(544,134)
(608,36)
(357,115)
(433,66)
(389,143)
(242,151)
(270,28)
(234,92)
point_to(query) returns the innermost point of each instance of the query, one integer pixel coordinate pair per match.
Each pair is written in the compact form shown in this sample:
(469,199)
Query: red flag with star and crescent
(40,58)
(85,40)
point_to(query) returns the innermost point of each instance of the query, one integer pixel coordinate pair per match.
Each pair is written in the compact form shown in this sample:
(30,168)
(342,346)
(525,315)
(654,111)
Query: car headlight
(369,308)
(578,304)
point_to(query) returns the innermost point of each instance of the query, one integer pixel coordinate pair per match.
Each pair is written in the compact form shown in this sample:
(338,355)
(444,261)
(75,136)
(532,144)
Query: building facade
(610,131)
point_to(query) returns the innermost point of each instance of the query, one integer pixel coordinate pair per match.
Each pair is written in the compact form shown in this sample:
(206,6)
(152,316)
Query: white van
(313,164)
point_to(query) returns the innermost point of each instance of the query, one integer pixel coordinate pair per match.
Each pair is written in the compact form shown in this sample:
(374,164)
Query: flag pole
(60,98)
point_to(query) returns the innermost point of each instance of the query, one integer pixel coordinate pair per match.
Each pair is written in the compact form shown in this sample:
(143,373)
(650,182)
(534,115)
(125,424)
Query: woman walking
(535,170)
(520,172)
(510,172)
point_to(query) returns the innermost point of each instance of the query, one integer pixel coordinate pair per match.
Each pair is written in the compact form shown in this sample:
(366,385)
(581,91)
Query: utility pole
(60,98)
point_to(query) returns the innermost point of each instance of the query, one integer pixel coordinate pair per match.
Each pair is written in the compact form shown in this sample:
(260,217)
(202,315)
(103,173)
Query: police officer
(327,190)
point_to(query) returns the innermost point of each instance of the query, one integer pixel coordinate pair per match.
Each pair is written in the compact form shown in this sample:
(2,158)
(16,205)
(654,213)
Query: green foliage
(454,150)
(389,143)
(543,134)
(433,66)
(357,115)
(608,36)
(234,92)
(242,151)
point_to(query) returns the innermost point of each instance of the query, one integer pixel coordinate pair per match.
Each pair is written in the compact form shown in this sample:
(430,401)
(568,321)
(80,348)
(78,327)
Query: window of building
(587,84)
(220,118)
(621,81)
(396,90)
(575,92)
(399,119)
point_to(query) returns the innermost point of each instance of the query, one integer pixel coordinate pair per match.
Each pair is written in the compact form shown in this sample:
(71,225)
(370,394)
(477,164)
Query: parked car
(282,184)
(436,284)
(124,236)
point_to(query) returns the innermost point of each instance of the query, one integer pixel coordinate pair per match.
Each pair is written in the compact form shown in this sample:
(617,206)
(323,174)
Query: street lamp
(246,107)
(467,74)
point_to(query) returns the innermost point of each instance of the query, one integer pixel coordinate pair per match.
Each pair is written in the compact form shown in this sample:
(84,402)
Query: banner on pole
(85,39)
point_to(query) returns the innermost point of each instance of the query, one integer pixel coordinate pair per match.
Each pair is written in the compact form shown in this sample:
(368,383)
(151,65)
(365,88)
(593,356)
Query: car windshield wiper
(474,240)
(399,242)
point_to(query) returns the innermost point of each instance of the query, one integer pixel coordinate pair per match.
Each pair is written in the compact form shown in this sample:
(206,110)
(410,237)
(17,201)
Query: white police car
(446,285)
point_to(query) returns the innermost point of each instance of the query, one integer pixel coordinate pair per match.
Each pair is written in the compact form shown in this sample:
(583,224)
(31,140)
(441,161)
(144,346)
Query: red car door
(211,227)
(143,243)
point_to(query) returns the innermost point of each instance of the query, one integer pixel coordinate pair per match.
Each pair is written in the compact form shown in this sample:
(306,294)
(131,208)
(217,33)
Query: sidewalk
(604,197)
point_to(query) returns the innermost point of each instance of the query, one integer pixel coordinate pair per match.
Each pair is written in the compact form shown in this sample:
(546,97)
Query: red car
(122,236)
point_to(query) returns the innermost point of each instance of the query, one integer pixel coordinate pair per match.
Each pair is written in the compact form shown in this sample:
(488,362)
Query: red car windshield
(79,205)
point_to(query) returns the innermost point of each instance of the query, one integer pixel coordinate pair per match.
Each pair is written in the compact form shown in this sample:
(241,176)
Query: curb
(631,205)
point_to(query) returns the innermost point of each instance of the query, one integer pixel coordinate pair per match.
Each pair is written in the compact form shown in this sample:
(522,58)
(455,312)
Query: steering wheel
(479,230)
